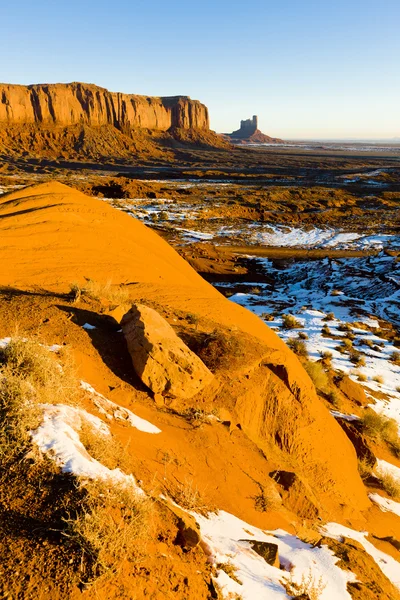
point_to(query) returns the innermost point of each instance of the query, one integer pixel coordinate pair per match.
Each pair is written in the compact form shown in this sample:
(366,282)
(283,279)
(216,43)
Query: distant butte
(250,134)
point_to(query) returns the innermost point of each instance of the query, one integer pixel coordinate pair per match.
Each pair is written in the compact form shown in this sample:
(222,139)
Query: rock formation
(66,104)
(250,134)
(160,358)
(84,121)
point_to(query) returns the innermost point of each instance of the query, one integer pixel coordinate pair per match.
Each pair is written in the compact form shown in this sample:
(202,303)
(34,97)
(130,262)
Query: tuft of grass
(364,468)
(395,358)
(115,294)
(325,331)
(188,497)
(382,428)
(298,347)
(230,569)
(29,375)
(378,378)
(326,355)
(329,317)
(361,377)
(111,525)
(302,335)
(308,587)
(318,375)
(104,448)
(290,322)
(255,290)
(390,484)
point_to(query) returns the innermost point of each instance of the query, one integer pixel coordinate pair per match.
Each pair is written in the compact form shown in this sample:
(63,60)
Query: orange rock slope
(52,236)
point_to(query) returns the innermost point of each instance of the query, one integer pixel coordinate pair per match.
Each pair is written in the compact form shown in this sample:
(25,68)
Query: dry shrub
(378,379)
(96,290)
(217,349)
(104,448)
(361,376)
(395,358)
(29,375)
(230,569)
(364,468)
(391,484)
(318,375)
(112,525)
(308,587)
(382,428)
(187,495)
(298,347)
(290,322)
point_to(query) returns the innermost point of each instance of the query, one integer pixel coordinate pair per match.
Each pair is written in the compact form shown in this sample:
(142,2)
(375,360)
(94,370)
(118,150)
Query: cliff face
(80,103)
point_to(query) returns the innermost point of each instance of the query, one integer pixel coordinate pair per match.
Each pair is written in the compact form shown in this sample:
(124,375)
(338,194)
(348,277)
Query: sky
(307,68)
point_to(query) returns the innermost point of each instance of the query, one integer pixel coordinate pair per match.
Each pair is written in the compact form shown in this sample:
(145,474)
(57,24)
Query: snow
(339,415)
(383,466)
(386,504)
(58,435)
(112,410)
(88,326)
(226,535)
(388,565)
(369,287)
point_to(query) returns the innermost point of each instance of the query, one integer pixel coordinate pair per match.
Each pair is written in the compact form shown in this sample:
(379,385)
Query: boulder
(353,430)
(188,529)
(297,495)
(267,551)
(160,358)
(353,390)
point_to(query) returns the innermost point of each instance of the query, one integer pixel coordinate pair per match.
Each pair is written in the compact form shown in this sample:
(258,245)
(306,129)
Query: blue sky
(307,68)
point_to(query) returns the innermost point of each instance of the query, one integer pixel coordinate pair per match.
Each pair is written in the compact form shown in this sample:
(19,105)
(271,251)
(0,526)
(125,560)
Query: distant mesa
(250,134)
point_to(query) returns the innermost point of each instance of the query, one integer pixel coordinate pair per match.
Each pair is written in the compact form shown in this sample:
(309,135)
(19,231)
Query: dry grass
(378,379)
(111,526)
(230,569)
(187,495)
(318,375)
(298,347)
(29,375)
(290,322)
(361,377)
(308,587)
(115,294)
(382,428)
(364,468)
(390,484)
(104,448)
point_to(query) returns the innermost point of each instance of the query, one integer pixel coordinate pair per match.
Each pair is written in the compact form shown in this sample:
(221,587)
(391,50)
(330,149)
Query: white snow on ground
(352,290)
(58,435)
(383,466)
(114,411)
(226,537)
(339,415)
(386,504)
(88,326)
(388,565)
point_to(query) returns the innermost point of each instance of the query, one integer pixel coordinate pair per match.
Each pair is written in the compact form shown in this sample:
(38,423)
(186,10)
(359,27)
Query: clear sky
(307,68)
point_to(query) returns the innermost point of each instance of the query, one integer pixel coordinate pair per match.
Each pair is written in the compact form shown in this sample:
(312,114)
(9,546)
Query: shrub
(378,378)
(267,316)
(325,355)
(29,375)
(336,293)
(344,327)
(364,468)
(290,322)
(326,331)
(329,317)
(111,525)
(390,484)
(361,377)
(302,335)
(380,427)
(230,570)
(255,290)
(395,358)
(308,587)
(318,375)
(96,290)
(298,346)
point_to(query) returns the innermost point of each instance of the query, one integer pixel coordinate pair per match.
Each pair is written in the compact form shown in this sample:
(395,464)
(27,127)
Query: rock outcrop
(67,104)
(161,360)
(250,134)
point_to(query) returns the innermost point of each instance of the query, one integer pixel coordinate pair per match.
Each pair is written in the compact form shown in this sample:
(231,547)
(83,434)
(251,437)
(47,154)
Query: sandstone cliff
(80,103)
